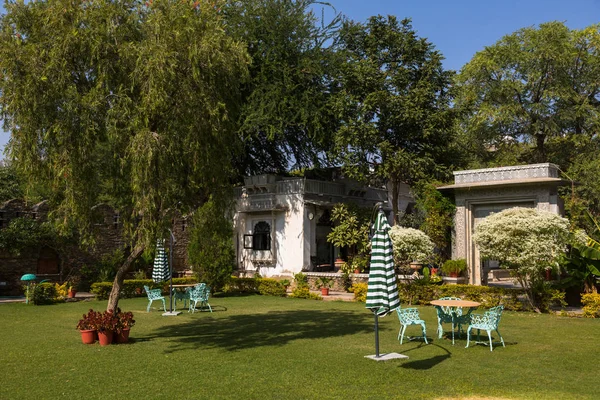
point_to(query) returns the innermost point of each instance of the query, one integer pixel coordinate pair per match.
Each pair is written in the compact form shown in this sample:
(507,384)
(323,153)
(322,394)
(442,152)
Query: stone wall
(72,257)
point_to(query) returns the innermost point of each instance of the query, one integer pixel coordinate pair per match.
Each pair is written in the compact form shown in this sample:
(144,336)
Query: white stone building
(281,223)
(479,193)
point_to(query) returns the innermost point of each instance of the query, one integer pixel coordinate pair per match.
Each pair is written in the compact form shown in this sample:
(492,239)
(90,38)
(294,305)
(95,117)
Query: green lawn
(264,347)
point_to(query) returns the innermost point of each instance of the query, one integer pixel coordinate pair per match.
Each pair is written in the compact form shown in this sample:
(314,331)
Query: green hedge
(135,287)
(241,285)
(488,296)
(271,287)
(263,286)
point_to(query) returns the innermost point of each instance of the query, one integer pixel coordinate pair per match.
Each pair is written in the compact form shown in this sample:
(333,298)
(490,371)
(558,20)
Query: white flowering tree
(410,245)
(526,240)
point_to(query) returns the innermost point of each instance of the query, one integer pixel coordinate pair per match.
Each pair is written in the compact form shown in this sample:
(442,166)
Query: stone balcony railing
(545,170)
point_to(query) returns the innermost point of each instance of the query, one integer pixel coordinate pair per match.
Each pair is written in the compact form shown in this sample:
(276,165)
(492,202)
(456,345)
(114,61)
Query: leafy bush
(454,266)
(62,290)
(410,245)
(591,305)
(526,240)
(211,250)
(45,293)
(360,291)
(304,293)
(270,287)
(301,280)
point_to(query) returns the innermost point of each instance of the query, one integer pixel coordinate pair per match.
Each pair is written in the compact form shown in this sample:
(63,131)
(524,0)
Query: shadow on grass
(429,362)
(255,330)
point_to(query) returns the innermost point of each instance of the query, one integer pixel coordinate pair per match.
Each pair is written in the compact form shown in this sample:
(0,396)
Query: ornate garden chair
(199,294)
(410,316)
(444,315)
(489,321)
(154,294)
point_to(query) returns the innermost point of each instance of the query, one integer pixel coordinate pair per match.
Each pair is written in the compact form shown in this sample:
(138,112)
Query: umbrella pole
(171,270)
(376,333)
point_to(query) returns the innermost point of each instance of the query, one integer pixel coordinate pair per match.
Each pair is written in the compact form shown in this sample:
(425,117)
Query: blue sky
(460,28)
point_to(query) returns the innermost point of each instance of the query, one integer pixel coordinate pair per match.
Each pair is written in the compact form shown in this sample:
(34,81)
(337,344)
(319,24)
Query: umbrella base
(171,313)
(386,357)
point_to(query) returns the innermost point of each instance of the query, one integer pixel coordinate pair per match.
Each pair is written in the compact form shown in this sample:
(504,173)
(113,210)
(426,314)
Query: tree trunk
(113,299)
(395,194)
(540,140)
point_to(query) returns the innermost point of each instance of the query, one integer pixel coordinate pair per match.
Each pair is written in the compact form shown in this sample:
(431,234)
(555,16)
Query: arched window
(261,236)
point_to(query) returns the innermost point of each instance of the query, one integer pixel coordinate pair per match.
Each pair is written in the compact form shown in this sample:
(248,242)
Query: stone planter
(461,280)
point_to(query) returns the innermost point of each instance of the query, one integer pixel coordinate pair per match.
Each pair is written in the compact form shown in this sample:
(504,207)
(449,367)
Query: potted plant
(125,322)
(324,284)
(107,327)
(73,282)
(454,268)
(88,325)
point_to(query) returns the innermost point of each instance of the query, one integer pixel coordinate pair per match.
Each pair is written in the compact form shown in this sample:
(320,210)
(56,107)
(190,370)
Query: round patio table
(454,304)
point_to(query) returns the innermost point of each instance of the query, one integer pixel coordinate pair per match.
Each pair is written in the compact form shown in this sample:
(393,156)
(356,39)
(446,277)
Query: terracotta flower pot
(325,291)
(105,338)
(88,336)
(72,293)
(122,337)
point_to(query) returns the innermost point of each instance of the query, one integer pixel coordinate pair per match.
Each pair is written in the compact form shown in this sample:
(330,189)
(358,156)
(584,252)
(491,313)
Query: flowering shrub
(525,239)
(591,305)
(410,245)
(360,291)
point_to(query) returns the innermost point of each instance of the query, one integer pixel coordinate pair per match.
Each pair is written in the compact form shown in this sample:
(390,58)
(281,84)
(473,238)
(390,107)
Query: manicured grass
(273,348)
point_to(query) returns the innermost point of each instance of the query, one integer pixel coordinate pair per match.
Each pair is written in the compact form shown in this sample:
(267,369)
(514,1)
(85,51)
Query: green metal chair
(410,316)
(444,315)
(154,294)
(489,322)
(199,294)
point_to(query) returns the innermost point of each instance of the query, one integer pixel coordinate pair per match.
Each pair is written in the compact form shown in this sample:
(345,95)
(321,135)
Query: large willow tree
(124,101)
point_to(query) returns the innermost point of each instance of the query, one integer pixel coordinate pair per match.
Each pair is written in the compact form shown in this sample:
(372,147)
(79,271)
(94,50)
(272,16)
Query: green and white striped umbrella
(382,293)
(161,271)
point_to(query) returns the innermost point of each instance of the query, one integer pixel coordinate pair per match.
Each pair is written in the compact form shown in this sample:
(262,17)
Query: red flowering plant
(108,322)
(125,320)
(90,321)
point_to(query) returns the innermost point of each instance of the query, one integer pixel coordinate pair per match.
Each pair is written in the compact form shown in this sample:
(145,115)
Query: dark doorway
(48,262)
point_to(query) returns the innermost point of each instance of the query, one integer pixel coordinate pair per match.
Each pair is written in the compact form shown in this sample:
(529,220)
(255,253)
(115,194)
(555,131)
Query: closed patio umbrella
(161,270)
(382,292)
